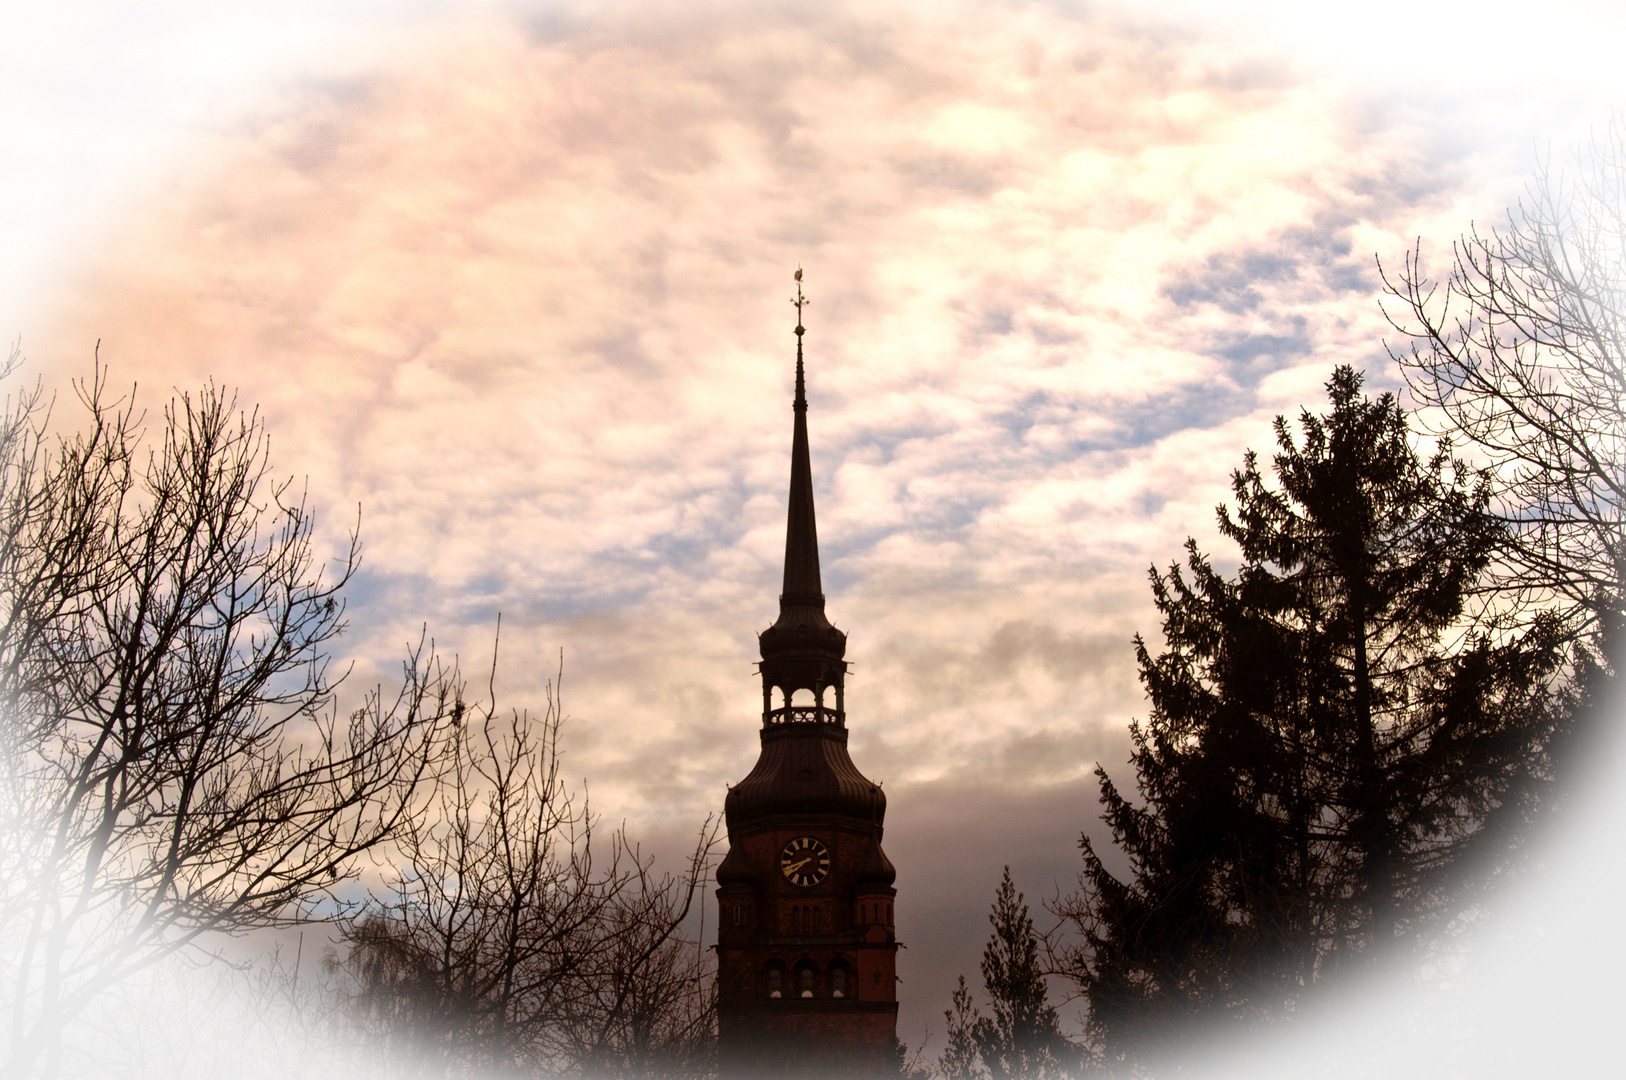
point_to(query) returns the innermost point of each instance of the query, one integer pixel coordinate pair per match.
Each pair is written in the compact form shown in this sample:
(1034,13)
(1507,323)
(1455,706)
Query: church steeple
(802,585)
(806,948)
(801,650)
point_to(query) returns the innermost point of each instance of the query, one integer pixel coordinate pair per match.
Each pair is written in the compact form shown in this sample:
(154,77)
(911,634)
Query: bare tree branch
(1522,348)
(505,943)
(175,765)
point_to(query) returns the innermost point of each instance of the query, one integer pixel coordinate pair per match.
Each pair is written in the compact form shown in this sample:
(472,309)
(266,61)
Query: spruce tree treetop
(1330,743)
(1022,1040)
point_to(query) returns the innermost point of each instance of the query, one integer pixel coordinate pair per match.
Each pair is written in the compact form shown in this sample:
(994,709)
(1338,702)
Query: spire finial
(801,302)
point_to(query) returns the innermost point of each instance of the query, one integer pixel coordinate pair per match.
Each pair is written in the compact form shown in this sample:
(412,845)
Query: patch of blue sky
(1142,422)
(944,512)
(1301,263)
(1250,356)
(376,598)
(1034,408)
(618,581)
(1149,502)
(381,597)
(487,584)
(369,590)
(879,443)
(684,552)
(840,571)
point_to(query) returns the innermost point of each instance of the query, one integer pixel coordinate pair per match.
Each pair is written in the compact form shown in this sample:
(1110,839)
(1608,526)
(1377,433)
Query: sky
(512,278)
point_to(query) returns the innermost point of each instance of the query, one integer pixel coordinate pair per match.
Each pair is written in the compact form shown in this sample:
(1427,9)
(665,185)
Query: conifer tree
(1022,1040)
(1331,747)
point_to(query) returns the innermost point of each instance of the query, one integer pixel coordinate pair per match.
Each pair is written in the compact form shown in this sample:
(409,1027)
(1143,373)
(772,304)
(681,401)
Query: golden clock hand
(793,867)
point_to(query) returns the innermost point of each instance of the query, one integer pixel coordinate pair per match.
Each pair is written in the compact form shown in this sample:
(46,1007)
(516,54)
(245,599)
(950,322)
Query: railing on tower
(804,714)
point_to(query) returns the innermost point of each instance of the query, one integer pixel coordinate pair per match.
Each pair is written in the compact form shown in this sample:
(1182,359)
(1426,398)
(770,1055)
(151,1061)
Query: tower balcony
(804,714)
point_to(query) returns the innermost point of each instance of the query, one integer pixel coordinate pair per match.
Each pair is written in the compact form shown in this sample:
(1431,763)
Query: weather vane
(800,302)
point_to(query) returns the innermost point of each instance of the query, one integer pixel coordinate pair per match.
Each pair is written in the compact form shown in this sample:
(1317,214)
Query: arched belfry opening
(809,982)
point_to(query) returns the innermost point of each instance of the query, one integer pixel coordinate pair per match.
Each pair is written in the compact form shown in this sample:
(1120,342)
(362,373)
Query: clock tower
(806,953)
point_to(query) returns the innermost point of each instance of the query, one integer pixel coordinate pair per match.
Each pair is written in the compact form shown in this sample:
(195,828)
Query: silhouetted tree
(172,765)
(503,944)
(1022,1040)
(1331,748)
(1522,348)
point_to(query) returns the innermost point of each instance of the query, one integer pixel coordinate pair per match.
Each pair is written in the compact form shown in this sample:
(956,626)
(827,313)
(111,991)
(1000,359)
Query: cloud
(517,288)
(514,291)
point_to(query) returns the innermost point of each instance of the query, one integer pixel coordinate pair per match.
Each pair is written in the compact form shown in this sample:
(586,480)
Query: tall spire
(801,650)
(802,586)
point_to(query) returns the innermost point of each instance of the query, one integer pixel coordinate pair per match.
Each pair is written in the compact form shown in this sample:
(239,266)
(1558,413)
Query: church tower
(806,954)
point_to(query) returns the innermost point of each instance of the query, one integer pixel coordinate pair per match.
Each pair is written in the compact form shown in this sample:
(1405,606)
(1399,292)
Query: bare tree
(503,943)
(174,765)
(1522,347)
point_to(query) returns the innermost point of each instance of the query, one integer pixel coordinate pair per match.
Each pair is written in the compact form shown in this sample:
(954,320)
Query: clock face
(805,861)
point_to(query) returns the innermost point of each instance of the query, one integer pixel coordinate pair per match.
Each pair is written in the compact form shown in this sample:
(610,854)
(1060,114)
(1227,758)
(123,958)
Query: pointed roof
(801,629)
(802,583)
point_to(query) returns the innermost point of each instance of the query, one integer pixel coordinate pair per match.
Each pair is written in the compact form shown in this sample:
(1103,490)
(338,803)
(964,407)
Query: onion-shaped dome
(802,630)
(736,869)
(875,868)
(804,771)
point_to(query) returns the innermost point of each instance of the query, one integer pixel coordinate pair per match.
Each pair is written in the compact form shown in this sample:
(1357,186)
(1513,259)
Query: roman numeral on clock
(805,861)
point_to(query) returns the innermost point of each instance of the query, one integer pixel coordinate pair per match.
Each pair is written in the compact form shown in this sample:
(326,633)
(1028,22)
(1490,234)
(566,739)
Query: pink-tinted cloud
(517,287)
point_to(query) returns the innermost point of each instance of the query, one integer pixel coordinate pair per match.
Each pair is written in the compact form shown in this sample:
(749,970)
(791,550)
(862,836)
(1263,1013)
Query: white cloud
(522,298)
(517,287)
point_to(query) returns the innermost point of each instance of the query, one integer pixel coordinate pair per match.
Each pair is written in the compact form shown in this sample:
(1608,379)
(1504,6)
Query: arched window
(838,981)
(776,981)
(806,978)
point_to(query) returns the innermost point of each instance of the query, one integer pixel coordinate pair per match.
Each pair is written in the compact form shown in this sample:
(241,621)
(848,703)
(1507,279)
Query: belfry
(806,953)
